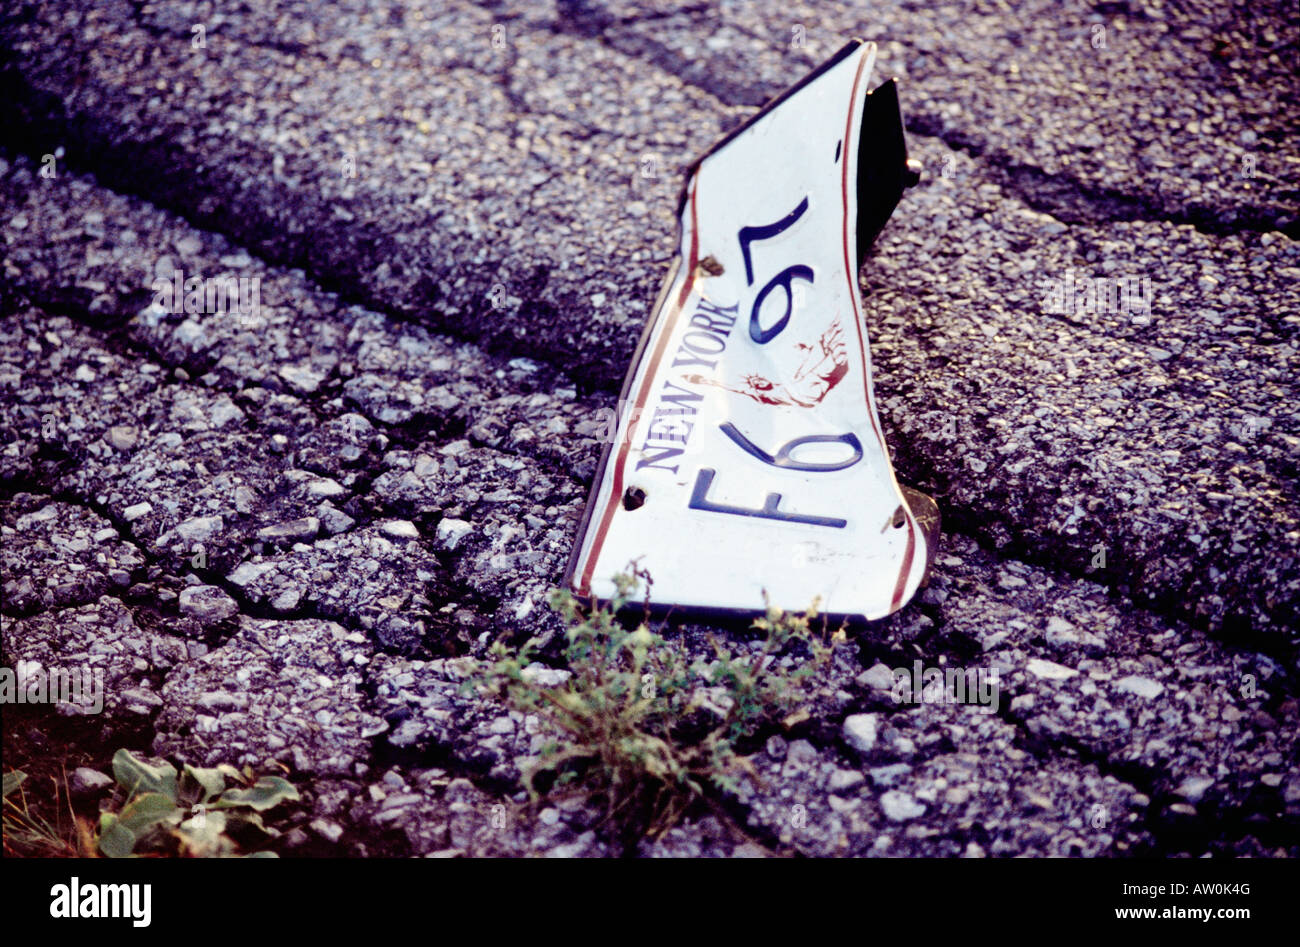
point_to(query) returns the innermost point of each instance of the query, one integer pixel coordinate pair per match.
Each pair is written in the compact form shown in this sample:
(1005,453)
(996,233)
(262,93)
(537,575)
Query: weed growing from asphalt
(28,832)
(638,725)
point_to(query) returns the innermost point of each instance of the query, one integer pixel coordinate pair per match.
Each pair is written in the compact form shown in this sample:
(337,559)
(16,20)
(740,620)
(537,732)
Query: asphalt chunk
(56,554)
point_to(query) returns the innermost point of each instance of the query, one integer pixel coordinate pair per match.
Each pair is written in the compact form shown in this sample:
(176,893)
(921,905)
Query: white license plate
(749,457)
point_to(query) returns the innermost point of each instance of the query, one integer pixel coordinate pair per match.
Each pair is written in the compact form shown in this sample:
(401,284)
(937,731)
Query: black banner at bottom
(295,897)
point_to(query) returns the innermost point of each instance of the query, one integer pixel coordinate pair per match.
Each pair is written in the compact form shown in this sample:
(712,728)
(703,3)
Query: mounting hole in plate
(633,498)
(900,518)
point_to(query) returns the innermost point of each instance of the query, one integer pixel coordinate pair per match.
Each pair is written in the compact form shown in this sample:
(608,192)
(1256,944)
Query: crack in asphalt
(1193,836)
(1064,196)
(1071,200)
(287,48)
(414,432)
(381,754)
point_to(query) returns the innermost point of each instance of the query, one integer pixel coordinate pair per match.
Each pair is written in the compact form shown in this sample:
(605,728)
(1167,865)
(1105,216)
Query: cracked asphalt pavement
(284,537)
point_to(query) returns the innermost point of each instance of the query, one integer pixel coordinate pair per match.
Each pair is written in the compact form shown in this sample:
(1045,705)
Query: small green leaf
(145,811)
(13,779)
(211,781)
(115,839)
(135,775)
(267,792)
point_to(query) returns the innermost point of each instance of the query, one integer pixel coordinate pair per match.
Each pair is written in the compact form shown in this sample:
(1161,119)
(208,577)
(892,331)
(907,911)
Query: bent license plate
(748,457)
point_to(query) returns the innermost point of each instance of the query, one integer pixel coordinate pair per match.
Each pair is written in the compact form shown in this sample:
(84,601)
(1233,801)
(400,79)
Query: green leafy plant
(198,812)
(639,726)
(192,813)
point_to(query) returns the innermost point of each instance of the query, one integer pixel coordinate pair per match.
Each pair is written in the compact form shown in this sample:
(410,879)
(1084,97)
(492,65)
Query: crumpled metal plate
(749,457)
